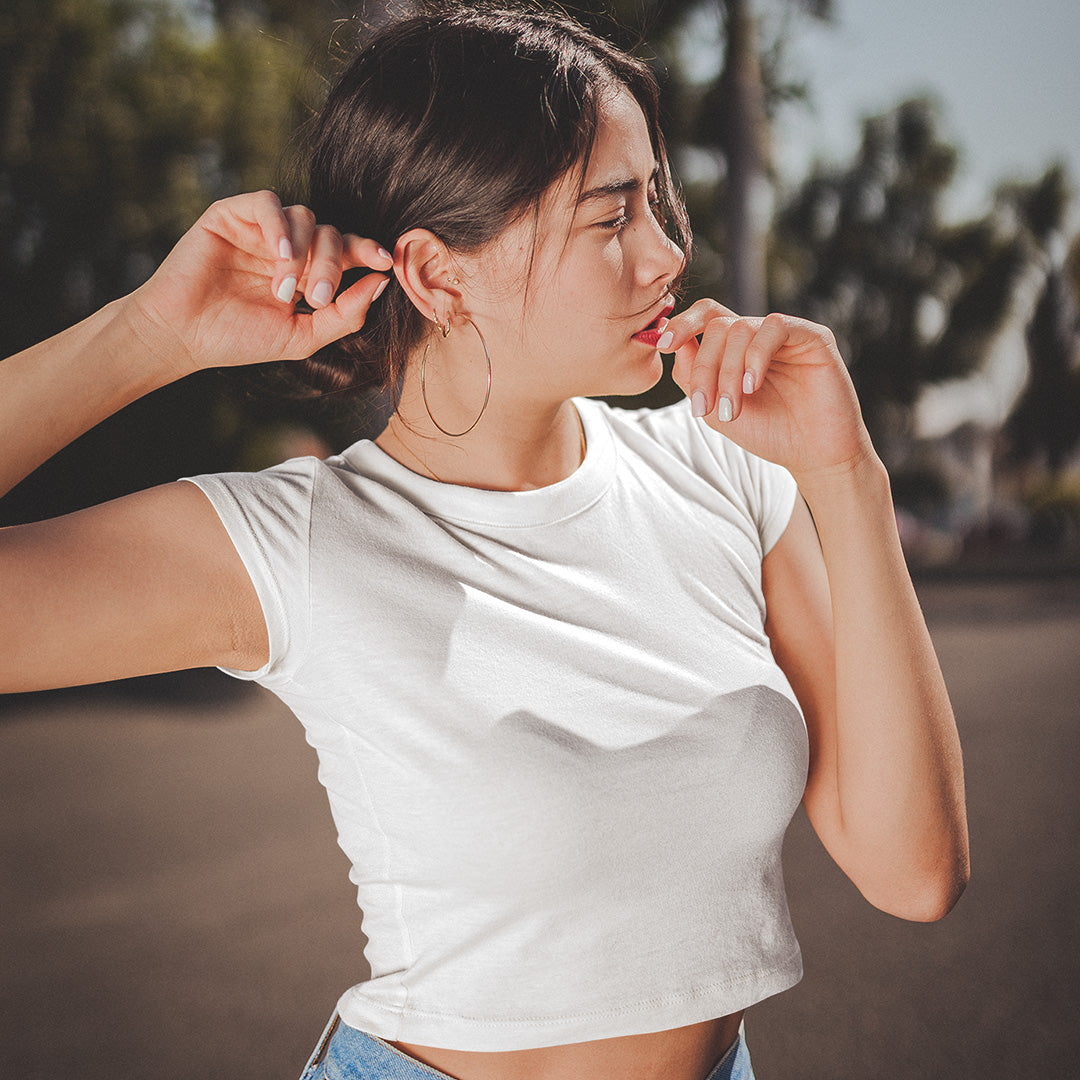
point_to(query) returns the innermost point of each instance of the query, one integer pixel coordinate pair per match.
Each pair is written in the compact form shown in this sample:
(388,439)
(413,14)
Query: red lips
(650,334)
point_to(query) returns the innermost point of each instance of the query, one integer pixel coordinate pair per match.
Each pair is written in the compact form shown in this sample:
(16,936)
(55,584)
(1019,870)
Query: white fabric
(559,753)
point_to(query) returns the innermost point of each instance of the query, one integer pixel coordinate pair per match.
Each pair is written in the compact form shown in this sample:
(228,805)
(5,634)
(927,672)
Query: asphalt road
(173,904)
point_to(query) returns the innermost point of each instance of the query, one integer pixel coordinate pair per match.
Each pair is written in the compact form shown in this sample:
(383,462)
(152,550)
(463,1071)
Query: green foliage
(914,302)
(120,120)
(857,248)
(1046,422)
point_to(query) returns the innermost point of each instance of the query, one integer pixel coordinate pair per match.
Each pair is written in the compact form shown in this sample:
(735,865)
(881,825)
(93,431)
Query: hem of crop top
(451,1031)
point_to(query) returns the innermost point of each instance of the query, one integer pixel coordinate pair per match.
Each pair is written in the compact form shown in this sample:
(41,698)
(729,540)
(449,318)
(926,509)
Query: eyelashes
(617,224)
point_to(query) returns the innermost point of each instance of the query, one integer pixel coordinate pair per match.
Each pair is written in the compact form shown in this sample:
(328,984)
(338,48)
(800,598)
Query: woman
(569,671)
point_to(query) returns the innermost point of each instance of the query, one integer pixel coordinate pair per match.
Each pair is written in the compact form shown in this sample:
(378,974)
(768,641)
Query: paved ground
(173,905)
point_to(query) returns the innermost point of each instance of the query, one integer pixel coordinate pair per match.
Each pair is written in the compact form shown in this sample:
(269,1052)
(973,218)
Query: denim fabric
(343,1053)
(735,1064)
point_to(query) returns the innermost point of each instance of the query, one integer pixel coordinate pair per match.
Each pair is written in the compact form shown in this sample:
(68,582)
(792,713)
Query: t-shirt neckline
(479,506)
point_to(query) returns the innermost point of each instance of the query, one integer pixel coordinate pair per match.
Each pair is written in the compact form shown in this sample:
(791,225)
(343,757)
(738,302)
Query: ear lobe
(424,269)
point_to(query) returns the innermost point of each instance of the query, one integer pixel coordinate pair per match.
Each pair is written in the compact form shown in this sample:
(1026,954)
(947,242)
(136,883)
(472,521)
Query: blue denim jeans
(343,1053)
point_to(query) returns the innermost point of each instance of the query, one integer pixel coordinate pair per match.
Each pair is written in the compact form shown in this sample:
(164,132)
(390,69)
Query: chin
(643,377)
(635,375)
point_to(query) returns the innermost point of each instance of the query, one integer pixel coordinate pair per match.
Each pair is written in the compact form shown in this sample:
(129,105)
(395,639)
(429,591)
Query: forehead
(621,153)
(622,159)
(623,147)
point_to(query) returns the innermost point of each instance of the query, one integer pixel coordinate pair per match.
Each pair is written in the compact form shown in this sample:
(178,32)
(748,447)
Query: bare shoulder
(150,582)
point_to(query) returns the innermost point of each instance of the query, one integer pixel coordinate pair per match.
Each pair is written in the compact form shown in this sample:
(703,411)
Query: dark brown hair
(458,122)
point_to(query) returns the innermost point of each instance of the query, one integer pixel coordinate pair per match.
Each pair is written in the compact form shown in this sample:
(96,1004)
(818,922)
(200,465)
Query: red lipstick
(650,335)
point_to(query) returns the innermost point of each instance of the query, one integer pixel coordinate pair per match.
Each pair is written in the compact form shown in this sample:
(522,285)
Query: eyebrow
(615,187)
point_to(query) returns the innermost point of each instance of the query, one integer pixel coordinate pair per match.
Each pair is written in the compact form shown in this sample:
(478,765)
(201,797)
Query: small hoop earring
(445,329)
(487,393)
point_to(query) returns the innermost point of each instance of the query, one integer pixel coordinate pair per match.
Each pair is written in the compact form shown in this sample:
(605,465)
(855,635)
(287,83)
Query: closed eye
(616,224)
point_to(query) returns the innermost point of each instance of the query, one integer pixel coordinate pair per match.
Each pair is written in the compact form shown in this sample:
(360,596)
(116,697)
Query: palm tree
(735,120)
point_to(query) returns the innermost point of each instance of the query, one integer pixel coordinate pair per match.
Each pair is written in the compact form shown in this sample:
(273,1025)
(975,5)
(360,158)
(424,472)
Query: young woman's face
(562,298)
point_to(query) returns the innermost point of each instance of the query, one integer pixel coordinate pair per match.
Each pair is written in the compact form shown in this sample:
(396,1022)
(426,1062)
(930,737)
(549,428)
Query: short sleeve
(760,490)
(268,518)
(772,491)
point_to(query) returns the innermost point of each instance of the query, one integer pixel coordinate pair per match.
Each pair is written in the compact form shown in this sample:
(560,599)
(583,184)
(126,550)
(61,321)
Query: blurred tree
(735,119)
(724,120)
(1046,423)
(951,333)
(120,120)
(858,249)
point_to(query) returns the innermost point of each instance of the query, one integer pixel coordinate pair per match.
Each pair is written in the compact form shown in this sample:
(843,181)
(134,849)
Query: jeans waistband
(344,1053)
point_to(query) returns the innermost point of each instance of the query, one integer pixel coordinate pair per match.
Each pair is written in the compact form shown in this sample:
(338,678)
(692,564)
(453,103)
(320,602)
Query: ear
(425,270)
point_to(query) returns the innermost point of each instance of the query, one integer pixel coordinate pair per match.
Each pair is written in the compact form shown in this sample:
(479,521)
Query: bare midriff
(685,1053)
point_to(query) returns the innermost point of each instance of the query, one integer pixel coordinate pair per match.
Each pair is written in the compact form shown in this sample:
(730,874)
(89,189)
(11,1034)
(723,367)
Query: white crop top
(558,751)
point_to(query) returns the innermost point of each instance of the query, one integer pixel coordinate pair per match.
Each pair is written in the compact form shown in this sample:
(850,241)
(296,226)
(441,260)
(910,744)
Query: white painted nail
(386,254)
(665,340)
(698,405)
(322,294)
(723,410)
(379,289)
(287,289)
(748,383)
(284,248)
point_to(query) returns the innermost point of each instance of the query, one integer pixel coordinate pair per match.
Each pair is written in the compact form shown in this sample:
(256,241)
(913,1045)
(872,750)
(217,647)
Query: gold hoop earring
(445,329)
(487,393)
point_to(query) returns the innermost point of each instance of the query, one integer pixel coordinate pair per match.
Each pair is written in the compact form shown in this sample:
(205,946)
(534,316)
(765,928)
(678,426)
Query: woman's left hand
(776,385)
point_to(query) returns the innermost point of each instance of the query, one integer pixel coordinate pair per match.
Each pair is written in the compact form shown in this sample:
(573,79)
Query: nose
(662,259)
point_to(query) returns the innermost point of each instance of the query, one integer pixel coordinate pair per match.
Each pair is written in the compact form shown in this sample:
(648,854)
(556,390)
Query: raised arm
(151,582)
(885,791)
(221,298)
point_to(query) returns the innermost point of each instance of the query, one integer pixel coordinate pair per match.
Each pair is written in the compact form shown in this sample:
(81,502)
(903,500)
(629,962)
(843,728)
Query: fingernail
(286,289)
(664,341)
(748,383)
(723,410)
(379,288)
(386,254)
(284,248)
(698,404)
(322,294)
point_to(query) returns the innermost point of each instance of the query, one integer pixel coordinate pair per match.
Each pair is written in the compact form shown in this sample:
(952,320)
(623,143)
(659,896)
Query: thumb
(348,312)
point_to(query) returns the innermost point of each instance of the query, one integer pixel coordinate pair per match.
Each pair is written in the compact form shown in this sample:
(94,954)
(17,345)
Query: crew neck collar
(479,506)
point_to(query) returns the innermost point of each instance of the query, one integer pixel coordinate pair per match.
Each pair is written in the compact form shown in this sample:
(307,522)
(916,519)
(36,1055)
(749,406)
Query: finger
(705,368)
(683,365)
(771,336)
(347,313)
(301,223)
(692,322)
(359,251)
(264,210)
(730,379)
(323,271)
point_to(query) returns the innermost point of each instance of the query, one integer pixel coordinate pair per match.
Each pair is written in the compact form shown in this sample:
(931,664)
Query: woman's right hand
(225,295)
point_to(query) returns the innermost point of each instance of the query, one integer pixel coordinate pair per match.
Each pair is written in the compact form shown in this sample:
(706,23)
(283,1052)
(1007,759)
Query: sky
(1006,73)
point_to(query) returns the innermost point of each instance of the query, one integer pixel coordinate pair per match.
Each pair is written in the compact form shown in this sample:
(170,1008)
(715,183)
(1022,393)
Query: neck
(513,447)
